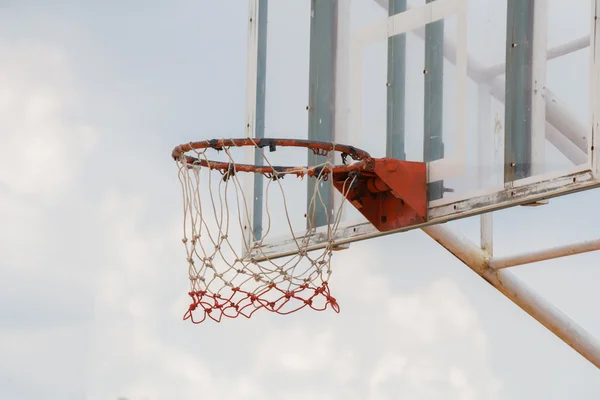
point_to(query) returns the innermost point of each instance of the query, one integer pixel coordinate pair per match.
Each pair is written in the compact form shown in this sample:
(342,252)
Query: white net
(228,282)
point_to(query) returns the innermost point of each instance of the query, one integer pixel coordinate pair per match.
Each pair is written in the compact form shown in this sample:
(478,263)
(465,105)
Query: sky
(93,97)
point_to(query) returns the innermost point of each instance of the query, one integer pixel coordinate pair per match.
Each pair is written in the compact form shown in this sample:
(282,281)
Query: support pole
(487,163)
(505,282)
(321,106)
(434,99)
(396,88)
(259,130)
(546,254)
(518,106)
(557,51)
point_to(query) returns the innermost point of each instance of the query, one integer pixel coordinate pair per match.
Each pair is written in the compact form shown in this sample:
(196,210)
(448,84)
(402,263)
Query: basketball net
(226,282)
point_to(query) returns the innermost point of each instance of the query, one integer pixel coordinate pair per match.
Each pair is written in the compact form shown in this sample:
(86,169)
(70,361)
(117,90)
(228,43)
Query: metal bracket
(391,195)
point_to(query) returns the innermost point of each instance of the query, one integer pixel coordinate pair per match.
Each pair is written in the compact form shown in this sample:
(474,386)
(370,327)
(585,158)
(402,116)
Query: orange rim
(362,158)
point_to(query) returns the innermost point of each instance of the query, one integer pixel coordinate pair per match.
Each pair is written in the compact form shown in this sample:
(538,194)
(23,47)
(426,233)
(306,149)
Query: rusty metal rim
(321,148)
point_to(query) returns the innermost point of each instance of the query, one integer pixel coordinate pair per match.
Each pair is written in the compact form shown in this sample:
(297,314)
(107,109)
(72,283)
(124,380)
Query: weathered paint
(433,146)
(518,104)
(354,232)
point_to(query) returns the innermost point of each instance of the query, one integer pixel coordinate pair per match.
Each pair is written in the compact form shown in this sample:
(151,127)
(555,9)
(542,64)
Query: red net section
(228,282)
(241,302)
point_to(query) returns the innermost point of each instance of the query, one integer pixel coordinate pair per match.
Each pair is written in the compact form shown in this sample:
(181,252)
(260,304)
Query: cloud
(44,293)
(47,363)
(42,147)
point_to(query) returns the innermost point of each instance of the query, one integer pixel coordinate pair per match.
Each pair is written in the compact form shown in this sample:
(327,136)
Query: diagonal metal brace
(507,283)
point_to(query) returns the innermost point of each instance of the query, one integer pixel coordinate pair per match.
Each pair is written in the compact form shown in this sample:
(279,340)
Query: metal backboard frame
(339,97)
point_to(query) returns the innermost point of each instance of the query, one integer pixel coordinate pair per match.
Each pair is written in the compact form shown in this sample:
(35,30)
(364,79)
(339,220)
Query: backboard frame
(546,109)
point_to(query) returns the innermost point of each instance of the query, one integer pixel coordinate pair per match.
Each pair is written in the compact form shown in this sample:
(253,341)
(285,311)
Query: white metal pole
(505,282)
(546,254)
(487,162)
(557,51)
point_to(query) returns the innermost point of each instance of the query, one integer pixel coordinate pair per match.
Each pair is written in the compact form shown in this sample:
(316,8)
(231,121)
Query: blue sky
(94,281)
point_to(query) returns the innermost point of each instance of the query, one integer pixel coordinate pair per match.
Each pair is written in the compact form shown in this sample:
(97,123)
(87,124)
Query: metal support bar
(321,106)
(557,51)
(396,88)
(253,99)
(488,157)
(565,146)
(518,105)
(544,312)
(486,222)
(434,100)
(259,130)
(546,254)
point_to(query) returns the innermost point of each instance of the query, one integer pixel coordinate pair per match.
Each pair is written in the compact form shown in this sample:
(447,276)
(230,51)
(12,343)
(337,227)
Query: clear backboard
(498,97)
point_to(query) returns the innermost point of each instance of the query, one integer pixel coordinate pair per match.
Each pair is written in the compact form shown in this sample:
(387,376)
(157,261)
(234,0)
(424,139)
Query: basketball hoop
(227,284)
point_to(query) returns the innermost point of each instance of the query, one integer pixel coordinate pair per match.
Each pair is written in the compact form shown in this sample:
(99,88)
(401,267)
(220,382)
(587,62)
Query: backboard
(498,97)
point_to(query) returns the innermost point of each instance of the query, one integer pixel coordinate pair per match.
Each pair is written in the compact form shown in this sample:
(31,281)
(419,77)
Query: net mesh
(226,282)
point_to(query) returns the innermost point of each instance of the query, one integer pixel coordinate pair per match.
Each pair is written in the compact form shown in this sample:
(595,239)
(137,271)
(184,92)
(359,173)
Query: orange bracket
(391,195)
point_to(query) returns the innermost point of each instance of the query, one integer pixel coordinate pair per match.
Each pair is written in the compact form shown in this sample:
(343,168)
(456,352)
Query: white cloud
(49,362)
(42,148)
(45,286)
